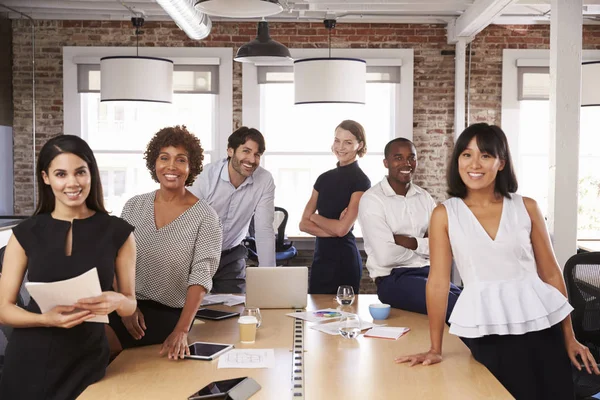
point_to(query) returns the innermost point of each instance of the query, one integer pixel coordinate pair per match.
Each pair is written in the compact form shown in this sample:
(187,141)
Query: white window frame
(73,55)
(404,58)
(404,113)
(512,59)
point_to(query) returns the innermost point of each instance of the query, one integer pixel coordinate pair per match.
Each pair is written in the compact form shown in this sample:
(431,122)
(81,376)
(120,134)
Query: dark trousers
(231,274)
(532,366)
(160,321)
(404,288)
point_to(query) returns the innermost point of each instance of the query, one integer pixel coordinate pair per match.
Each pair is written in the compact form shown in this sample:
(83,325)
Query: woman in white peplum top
(513,313)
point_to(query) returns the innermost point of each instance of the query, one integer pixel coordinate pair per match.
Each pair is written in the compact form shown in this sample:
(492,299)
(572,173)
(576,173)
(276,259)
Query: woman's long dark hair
(77,146)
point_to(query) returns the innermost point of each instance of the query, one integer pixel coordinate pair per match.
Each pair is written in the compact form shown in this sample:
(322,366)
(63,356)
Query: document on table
(386,332)
(66,293)
(248,358)
(226,299)
(324,315)
(333,328)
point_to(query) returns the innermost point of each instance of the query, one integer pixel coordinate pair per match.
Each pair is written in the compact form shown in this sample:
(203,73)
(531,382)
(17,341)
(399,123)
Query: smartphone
(207,351)
(238,388)
(206,313)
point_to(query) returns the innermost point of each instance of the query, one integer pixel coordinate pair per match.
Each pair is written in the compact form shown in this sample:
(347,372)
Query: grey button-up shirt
(235,207)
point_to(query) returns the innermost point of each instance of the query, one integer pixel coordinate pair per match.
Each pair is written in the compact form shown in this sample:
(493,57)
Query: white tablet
(207,351)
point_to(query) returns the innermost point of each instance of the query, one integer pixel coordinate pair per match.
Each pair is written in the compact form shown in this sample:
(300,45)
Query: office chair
(582,278)
(284,248)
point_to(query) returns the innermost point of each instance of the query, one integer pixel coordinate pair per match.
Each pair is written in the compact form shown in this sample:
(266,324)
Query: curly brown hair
(175,136)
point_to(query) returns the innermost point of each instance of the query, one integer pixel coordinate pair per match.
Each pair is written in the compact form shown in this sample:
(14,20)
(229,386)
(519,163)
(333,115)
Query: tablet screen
(207,349)
(206,313)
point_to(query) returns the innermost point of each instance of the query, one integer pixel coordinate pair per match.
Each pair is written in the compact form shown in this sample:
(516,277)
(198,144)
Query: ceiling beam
(475,18)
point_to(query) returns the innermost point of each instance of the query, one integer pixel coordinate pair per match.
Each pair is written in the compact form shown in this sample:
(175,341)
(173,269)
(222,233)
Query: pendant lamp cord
(137,22)
(329,42)
(329,24)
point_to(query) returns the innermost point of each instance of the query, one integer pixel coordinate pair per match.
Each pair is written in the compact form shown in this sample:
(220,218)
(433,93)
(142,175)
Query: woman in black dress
(56,355)
(331,212)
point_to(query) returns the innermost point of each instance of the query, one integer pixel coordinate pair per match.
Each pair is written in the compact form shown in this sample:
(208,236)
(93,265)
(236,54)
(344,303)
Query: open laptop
(276,287)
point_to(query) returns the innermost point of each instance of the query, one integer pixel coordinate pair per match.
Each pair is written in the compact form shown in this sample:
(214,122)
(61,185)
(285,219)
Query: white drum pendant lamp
(136,78)
(330,79)
(590,84)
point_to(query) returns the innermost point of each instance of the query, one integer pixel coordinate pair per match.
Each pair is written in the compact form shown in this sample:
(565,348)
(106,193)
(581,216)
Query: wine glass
(350,326)
(254,312)
(345,295)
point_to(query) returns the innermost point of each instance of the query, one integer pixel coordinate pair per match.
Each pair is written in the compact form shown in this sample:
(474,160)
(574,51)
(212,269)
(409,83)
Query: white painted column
(565,101)
(460,60)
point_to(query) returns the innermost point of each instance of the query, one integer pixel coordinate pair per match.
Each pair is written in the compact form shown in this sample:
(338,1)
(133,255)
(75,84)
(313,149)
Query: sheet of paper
(65,293)
(324,315)
(226,299)
(333,328)
(248,358)
(386,332)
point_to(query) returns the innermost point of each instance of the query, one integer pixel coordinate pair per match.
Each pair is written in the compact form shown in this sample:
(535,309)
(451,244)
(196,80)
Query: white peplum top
(503,293)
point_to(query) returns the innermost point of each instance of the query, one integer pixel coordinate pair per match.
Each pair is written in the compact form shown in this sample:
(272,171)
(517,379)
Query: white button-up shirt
(235,207)
(382,214)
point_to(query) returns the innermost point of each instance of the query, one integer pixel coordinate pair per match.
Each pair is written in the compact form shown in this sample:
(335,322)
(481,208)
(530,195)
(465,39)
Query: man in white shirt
(394,217)
(237,188)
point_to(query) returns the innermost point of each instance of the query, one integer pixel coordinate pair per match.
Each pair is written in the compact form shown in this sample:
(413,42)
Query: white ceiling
(396,11)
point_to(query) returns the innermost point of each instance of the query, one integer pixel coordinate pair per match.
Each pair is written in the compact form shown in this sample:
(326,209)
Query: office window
(299,138)
(534,131)
(118,132)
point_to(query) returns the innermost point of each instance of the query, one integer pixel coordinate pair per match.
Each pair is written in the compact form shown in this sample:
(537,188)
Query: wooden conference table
(334,367)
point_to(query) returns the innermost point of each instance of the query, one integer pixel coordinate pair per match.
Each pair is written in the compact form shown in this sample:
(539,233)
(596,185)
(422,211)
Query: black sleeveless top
(57,363)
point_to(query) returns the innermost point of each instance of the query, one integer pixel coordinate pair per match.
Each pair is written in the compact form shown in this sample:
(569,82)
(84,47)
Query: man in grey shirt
(237,188)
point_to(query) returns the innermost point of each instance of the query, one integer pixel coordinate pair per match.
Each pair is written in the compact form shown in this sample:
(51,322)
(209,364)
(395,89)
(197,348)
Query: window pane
(310,128)
(124,176)
(295,176)
(130,125)
(533,171)
(534,125)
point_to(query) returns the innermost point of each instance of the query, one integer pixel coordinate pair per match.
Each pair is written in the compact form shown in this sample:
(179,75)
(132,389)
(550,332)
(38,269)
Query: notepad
(386,332)
(48,295)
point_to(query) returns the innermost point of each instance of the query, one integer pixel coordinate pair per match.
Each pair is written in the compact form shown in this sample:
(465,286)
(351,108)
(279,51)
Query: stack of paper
(333,328)
(227,299)
(66,293)
(386,332)
(324,315)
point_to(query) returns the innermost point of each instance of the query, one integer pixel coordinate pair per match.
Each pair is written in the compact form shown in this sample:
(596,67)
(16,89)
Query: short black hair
(242,135)
(492,140)
(386,151)
(74,145)
(175,136)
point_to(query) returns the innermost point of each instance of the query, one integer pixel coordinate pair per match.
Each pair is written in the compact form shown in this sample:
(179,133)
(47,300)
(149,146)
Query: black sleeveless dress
(336,260)
(57,363)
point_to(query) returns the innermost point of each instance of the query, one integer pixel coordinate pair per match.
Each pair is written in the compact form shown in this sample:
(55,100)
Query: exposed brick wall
(434,75)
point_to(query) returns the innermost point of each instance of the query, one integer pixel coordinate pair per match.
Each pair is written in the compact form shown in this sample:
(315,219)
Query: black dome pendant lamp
(263,48)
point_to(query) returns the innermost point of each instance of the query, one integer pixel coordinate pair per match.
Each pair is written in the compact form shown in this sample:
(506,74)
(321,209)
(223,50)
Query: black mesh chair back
(582,277)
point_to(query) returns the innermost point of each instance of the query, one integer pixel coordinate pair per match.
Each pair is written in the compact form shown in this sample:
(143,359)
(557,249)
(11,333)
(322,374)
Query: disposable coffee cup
(247,326)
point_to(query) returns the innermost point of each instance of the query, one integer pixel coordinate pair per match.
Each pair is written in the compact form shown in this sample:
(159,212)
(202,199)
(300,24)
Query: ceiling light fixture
(263,48)
(590,84)
(239,8)
(135,78)
(194,23)
(330,80)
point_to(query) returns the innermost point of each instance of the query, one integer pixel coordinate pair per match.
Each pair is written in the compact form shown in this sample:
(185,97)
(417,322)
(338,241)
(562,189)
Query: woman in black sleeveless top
(331,212)
(56,355)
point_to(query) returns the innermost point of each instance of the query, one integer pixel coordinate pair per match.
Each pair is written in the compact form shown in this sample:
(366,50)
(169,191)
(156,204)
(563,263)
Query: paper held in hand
(66,293)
